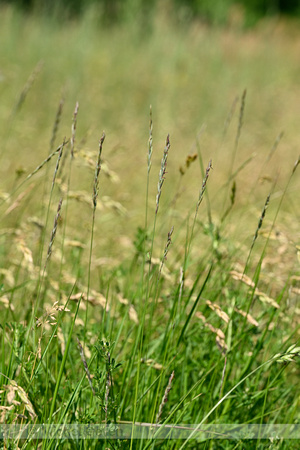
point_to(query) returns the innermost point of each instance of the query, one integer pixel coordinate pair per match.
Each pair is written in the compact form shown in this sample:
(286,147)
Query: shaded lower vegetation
(113,11)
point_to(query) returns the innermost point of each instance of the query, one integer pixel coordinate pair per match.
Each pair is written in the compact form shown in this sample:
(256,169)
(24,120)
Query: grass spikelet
(238,134)
(165,251)
(162,172)
(289,355)
(260,222)
(97,172)
(56,123)
(149,157)
(74,124)
(241,117)
(203,187)
(54,229)
(165,397)
(94,199)
(27,87)
(150,142)
(57,163)
(296,165)
(82,356)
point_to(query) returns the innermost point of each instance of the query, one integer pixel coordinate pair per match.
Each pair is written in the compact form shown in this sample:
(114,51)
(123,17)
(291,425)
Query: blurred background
(212,71)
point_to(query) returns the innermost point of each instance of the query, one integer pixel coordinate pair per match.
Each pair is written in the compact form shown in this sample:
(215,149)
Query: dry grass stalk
(295,290)
(22,394)
(133,315)
(220,336)
(74,124)
(54,229)
(27,254)
(49,315)
(97,172)
(261,295)
(248,316)
(107,202)
(216,331)
(150,142)
(222,314)
(242,277)
(8,276)
(18,200)
(87,158)
(36,221)
(73,243)
(132,312)
(152,363)
(165,397)
(6,303)
(94,298)
(84,197)
(56,123)
(82,356)
(265,299)
(162,172)
(61,339)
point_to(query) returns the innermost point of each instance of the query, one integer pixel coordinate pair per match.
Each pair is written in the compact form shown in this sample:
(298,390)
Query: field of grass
(149,273)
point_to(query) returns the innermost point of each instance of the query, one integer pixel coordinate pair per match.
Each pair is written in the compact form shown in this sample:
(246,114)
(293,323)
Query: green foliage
(112,11)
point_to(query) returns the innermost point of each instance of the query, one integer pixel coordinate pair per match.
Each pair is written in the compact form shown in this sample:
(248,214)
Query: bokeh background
(190,60)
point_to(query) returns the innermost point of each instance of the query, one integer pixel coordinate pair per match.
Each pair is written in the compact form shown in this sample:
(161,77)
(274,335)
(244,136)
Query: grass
(147,277)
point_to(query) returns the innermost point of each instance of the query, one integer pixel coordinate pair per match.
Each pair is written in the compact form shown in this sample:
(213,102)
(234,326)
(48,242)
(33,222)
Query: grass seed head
(74,124)
(97,172)
(162,171)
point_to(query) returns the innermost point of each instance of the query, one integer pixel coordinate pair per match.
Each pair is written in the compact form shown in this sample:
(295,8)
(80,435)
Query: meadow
(149,254)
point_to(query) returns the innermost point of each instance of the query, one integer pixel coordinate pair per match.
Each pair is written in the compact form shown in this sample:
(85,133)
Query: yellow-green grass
(191,77)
